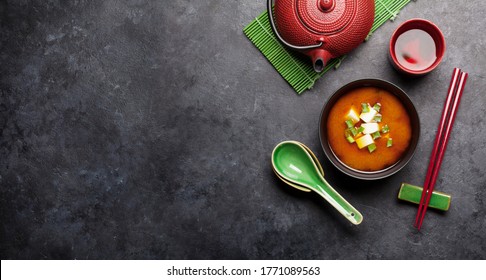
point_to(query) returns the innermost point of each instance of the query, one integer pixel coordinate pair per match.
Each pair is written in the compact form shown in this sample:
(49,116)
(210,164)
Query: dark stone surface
(143,130)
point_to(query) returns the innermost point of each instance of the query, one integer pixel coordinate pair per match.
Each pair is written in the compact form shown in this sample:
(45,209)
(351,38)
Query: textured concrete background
(143,130)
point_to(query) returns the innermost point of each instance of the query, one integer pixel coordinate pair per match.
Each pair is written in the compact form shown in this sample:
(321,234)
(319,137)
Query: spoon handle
(337,201)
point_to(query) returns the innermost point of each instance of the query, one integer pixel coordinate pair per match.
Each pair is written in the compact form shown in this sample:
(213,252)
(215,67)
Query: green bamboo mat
(294,68)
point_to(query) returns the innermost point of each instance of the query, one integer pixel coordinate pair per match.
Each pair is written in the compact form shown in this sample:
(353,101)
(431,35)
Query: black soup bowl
(414,121)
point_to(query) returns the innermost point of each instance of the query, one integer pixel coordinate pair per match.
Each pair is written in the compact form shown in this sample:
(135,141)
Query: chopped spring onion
(376,135)
(350,139)
(385,129)
(377,107)
(377,118)
(389,143)
(360,129)
(371,147)
(365,108)
(347,133)
(351,132)
(349,123)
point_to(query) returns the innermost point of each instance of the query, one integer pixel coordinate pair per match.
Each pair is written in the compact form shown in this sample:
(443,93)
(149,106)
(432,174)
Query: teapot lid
(326,17)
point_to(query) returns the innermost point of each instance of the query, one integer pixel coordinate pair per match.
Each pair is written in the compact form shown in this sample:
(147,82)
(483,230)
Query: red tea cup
(423,25)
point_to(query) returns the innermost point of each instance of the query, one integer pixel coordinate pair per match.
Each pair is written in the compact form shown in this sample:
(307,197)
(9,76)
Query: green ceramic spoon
(316,161)
(294,164)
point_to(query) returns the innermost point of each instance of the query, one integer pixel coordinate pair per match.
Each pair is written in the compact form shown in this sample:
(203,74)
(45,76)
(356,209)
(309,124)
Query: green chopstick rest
(411,193)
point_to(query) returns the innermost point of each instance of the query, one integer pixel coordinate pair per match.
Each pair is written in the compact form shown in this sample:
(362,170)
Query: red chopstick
(455,107)
(438,138)
(451,106)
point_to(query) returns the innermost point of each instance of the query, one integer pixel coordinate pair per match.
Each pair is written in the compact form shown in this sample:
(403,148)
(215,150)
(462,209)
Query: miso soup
(389,143)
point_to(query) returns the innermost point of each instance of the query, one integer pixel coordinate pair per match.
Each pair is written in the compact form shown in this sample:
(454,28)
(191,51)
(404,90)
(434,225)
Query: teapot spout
(319,58)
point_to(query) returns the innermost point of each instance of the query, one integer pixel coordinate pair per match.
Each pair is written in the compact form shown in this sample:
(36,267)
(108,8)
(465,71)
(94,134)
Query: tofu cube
(352,115)
(364,141)
(370,128)
(368,117)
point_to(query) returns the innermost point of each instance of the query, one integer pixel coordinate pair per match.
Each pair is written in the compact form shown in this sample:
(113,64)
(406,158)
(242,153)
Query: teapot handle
(274,28)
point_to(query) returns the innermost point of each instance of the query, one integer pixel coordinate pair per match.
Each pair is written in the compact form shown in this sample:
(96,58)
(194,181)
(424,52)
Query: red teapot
(321,29)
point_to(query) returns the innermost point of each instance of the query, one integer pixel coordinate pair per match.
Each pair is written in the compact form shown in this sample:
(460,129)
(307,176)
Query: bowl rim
(396,34)
(414,119)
